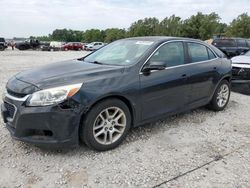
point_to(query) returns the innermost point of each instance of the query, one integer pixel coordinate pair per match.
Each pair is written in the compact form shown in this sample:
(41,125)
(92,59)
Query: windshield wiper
(97,62)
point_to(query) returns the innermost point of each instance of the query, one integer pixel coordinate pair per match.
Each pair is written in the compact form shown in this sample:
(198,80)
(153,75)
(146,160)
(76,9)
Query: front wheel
(106,125)
(221,96)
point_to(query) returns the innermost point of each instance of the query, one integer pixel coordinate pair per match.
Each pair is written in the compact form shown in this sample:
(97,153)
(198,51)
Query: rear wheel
(1,48)
(106,125)
(221,96)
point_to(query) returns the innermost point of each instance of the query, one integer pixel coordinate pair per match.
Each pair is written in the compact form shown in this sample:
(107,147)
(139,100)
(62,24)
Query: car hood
(66,72)
(241,61)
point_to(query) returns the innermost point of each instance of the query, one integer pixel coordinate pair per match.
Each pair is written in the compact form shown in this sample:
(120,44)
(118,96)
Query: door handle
(184,75)
(215,68)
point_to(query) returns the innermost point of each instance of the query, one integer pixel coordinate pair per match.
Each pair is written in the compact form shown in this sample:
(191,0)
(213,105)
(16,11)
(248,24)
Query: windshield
(122,52)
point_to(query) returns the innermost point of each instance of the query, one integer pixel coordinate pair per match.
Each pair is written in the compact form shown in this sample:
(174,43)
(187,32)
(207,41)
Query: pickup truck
(29,44)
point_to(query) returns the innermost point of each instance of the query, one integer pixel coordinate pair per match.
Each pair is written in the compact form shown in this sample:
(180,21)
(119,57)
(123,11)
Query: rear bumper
(49,127)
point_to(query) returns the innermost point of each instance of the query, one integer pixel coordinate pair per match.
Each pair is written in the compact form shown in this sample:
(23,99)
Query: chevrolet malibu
(97,99)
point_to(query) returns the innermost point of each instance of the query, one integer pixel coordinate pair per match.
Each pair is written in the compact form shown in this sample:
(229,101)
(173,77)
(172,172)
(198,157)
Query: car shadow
(143,132)
(241,88)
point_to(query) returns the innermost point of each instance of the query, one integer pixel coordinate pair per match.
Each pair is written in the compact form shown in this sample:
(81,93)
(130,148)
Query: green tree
(67,35)
(41,38)
(94,35)
(145,27)
(171,26)
(201,26)
(114,34)
(240,27)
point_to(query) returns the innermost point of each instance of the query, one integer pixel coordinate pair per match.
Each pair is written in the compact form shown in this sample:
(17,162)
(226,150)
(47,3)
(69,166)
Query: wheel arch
(114,96)
(227,77)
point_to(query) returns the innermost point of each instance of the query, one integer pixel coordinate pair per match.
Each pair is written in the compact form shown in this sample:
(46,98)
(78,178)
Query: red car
(73,46)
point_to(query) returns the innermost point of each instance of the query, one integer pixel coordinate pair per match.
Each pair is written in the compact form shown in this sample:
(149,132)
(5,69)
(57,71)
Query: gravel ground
(199,148)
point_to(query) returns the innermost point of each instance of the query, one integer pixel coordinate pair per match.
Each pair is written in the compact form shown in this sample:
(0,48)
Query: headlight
(53,95)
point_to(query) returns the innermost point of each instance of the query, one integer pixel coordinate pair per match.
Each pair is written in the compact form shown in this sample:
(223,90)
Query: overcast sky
(23,18)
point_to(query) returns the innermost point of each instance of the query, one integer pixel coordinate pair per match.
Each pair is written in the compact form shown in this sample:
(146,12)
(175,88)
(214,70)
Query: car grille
(11,109)
(241,73)
(14,94)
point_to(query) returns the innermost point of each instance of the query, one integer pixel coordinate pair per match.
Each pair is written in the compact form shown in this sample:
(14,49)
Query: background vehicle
(44,46)
(241,68)
(94,46)
(3,44)
(73,46)
(52,46)
(101,96)
(29,44)
(232,46)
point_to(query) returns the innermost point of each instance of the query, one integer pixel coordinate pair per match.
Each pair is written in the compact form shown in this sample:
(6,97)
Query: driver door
(164,91)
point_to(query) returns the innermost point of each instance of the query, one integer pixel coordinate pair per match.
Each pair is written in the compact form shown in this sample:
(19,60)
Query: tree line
(199,26)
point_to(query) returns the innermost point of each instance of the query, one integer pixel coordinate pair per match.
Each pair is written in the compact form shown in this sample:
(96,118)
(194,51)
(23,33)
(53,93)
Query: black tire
(22,48)
(86,129)
(2,48)
(213,105)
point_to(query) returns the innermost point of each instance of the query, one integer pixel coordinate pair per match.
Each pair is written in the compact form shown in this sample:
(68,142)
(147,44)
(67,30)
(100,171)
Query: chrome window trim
(185,64)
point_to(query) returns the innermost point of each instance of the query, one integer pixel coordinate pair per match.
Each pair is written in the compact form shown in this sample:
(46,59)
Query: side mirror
(155,65)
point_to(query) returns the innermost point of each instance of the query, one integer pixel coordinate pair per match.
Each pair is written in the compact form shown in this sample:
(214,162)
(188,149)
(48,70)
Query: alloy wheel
(109,125)
(222,95)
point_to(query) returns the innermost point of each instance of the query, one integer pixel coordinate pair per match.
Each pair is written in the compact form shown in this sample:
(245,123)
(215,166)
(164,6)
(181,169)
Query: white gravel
(165,151)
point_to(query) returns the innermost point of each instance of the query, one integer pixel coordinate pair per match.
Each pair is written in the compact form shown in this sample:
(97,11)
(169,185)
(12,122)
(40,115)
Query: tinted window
(197,52)
(224,42)
(210,54)
(172,54)
(2,40)
(241,43)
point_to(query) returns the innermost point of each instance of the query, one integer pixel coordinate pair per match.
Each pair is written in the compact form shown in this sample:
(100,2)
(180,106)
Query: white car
(241,68)
(94,46)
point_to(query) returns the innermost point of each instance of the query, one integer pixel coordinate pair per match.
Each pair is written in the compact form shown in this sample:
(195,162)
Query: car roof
(162,38)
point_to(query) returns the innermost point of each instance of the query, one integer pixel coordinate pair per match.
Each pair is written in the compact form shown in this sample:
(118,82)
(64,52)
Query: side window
(197,52)
(172,54)
(210,54)
(241,43)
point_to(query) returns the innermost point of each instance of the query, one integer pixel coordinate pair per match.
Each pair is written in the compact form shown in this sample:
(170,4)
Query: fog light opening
(45,133)
(48,133)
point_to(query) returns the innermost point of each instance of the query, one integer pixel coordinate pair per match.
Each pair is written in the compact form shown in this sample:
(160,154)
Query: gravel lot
(197,149)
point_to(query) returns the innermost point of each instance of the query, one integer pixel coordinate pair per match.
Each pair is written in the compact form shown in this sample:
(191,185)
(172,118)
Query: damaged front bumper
(49,126)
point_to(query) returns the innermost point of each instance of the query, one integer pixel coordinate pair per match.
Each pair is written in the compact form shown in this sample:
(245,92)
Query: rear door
(165,91)
(203,73)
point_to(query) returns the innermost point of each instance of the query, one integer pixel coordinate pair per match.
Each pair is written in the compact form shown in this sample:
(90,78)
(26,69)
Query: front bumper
(50,126)
(241,75)
(240,81)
